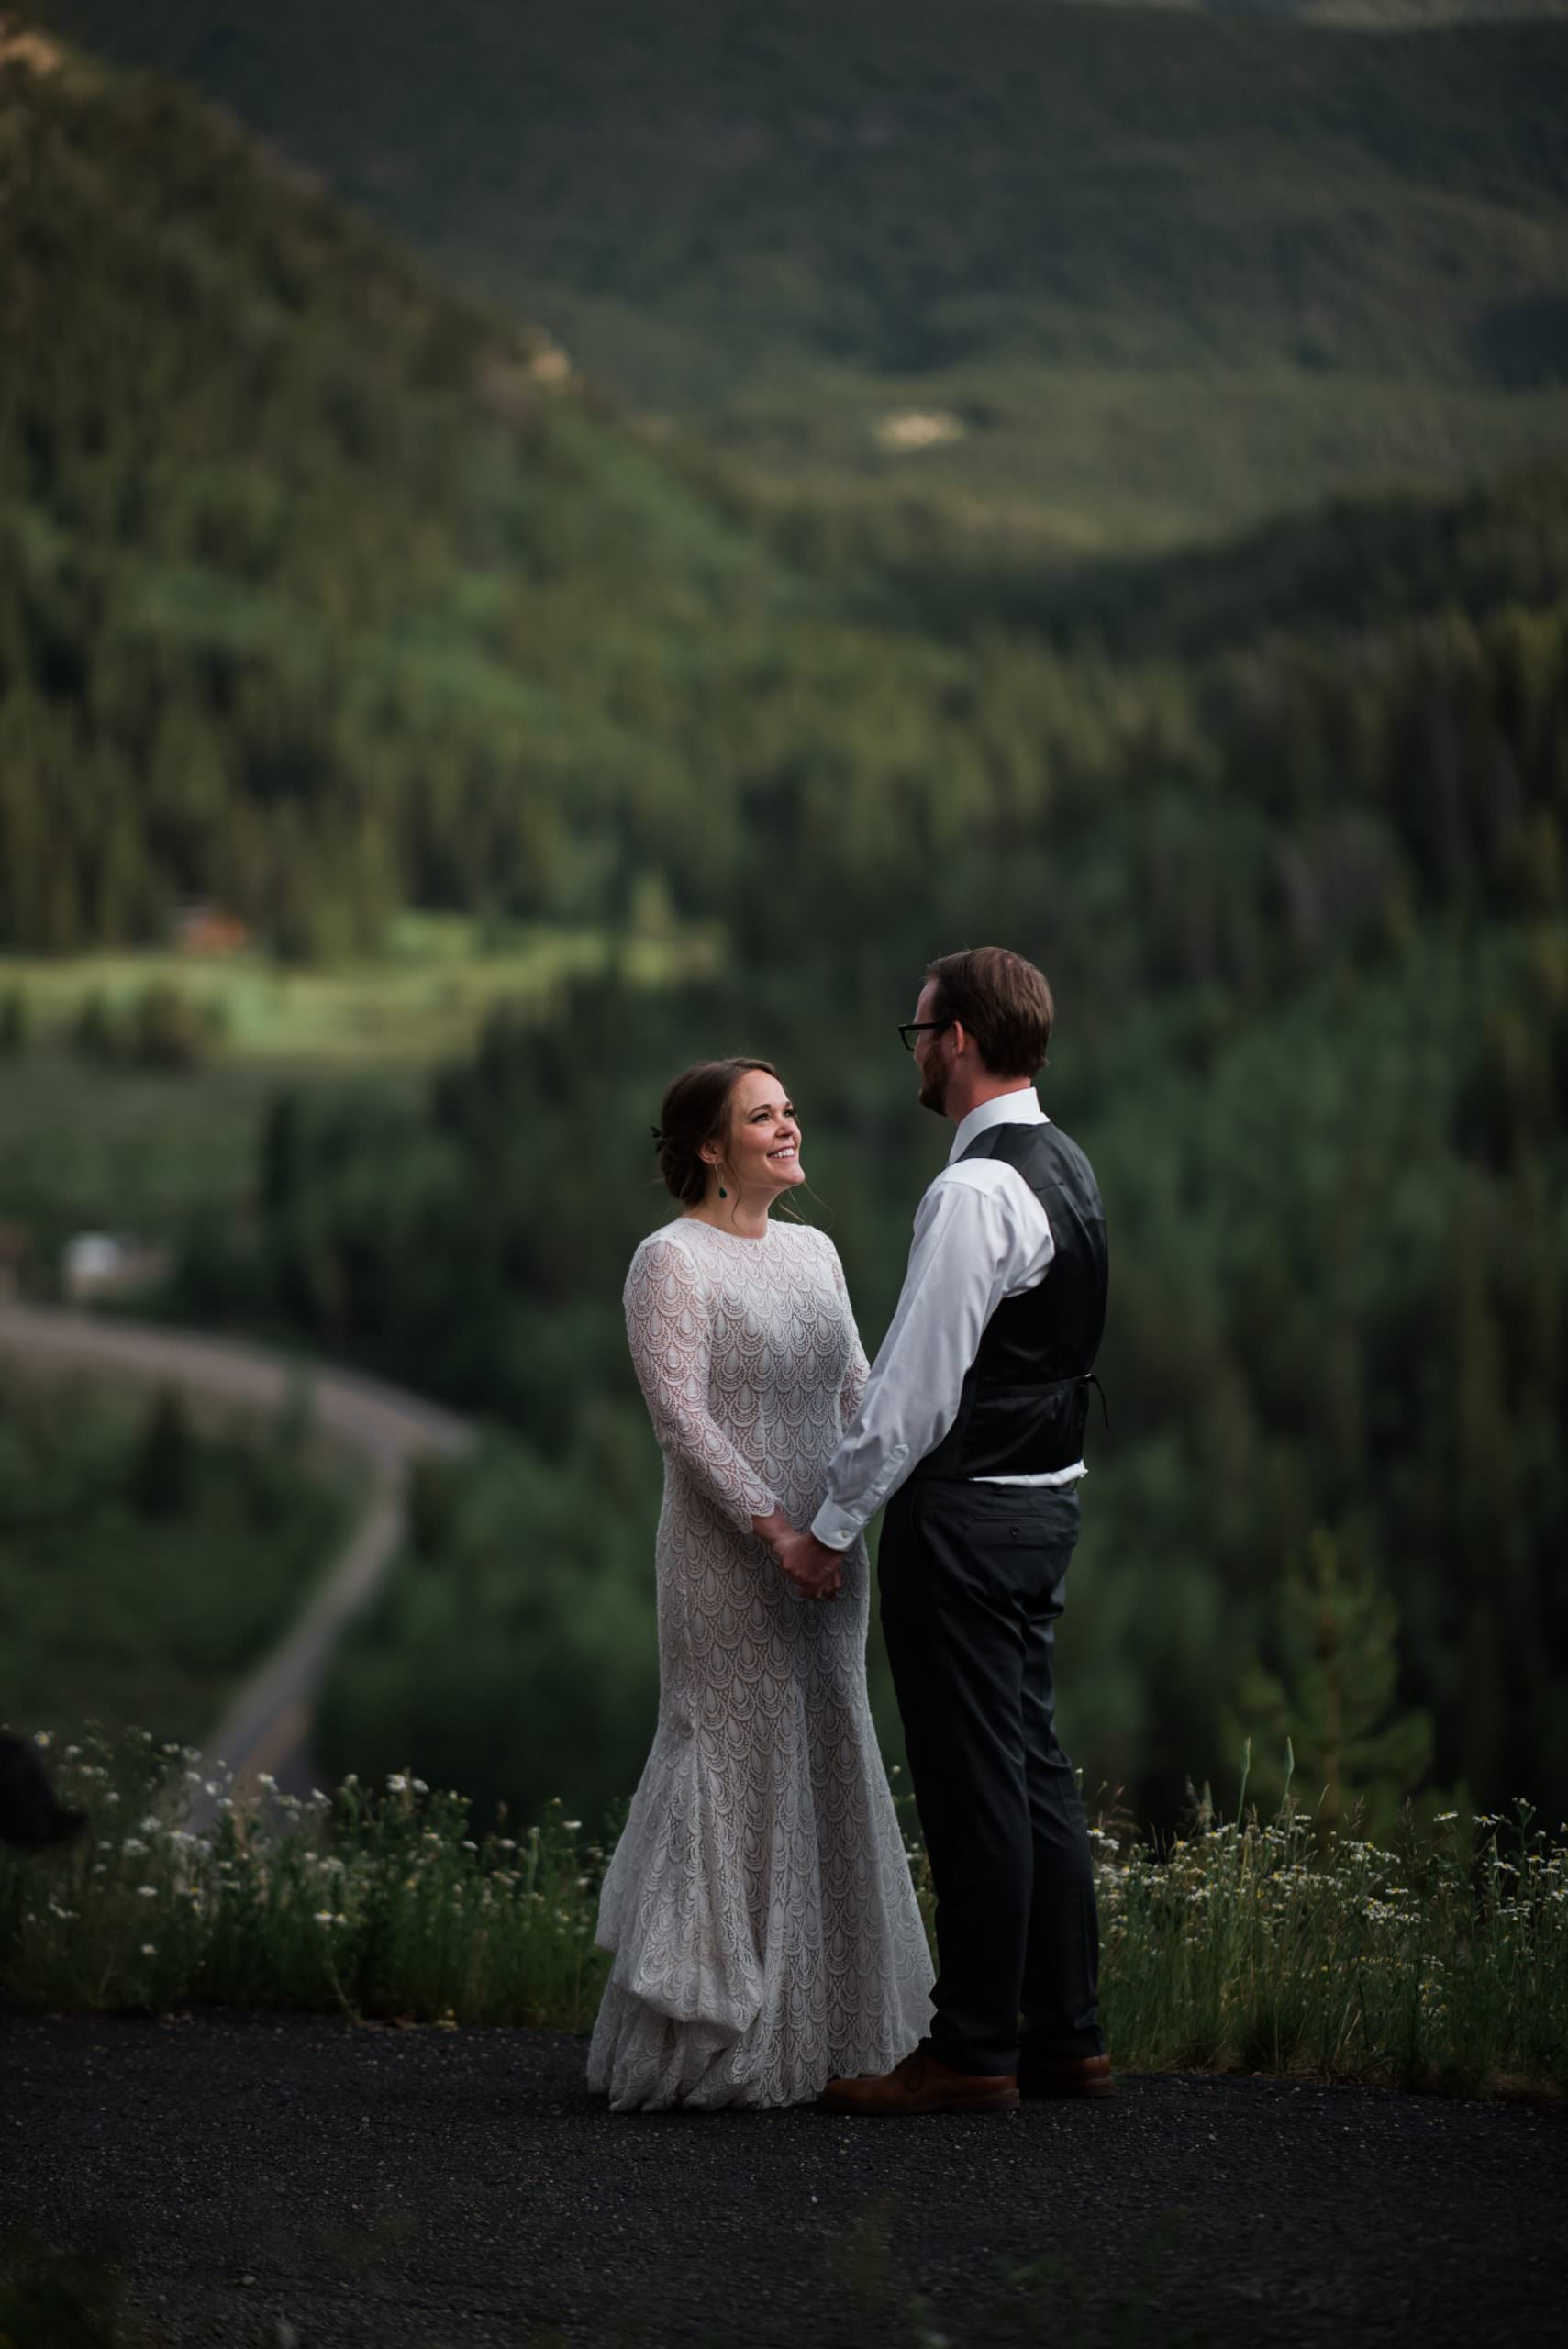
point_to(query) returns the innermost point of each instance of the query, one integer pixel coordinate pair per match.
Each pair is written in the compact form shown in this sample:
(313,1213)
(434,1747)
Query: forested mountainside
(317,592)
(319,597)
(1124,276)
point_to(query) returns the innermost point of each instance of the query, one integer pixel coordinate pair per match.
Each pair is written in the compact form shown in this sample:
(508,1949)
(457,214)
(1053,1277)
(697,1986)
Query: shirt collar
(1020,1108)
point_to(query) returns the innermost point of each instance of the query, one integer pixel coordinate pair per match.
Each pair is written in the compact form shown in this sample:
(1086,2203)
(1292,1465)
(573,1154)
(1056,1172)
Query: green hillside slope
(314,594)
(1151,272)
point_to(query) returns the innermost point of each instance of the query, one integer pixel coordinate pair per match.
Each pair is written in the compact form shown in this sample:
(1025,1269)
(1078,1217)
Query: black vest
(1026,1397)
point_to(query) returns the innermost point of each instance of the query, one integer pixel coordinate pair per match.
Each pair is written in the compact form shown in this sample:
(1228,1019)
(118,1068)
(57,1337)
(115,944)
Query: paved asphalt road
(282,2180)
(268,1723)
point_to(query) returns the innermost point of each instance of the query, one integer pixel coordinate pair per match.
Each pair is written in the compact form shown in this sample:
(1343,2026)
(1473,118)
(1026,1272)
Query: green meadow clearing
(425,997)
(117,1137)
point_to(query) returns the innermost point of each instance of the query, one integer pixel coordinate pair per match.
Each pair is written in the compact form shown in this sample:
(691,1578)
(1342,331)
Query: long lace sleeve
(857,1370)
(667,1326)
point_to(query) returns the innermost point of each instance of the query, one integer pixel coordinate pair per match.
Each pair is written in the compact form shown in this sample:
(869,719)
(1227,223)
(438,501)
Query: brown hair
(695,1111)
(1002,1001)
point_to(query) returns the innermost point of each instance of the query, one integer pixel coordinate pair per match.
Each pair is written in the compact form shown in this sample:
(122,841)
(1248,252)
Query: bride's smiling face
(763,1149)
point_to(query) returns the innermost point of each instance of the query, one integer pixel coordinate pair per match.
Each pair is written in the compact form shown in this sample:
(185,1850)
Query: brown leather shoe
(1041,2075)
(921,2084)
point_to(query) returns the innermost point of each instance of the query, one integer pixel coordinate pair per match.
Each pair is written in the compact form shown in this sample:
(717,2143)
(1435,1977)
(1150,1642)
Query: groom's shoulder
(1041,1147)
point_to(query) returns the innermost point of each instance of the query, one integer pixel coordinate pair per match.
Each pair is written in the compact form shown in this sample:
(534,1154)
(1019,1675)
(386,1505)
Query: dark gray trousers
(972,1579)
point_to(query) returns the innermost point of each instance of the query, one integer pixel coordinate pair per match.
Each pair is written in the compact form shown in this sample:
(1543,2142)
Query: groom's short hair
(1002,1001)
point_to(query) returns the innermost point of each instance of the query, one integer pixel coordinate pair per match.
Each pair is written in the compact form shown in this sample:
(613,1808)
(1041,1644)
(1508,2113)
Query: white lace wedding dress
(759,1904)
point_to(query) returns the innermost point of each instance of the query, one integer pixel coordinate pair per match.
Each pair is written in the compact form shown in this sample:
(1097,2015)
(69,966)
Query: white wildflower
(148,1891)
(149,1949)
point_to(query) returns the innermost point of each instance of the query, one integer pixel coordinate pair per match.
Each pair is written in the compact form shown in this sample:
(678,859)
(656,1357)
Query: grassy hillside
(1153,273)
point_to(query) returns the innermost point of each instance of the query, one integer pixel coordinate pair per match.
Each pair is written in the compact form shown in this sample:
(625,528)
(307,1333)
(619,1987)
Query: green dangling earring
(722,1192)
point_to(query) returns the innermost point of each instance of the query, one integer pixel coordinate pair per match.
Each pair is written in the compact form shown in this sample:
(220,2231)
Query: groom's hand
(808,1565)
(814,1570)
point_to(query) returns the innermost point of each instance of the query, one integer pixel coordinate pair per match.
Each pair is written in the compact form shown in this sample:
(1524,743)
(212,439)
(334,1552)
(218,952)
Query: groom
(972,1429)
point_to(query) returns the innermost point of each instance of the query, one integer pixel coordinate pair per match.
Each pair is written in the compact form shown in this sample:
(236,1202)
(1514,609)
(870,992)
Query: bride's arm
(857,1370)
(667,1326)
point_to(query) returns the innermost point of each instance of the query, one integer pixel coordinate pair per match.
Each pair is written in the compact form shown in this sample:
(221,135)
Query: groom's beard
(934,1091)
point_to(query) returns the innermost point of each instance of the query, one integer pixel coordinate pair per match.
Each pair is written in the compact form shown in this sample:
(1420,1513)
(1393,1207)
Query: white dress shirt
(979,1235)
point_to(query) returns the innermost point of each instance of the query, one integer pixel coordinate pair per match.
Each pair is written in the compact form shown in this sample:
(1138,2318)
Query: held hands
(812,1570)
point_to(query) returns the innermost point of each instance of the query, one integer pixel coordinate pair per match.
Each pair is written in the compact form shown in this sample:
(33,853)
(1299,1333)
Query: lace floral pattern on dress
(758,1905)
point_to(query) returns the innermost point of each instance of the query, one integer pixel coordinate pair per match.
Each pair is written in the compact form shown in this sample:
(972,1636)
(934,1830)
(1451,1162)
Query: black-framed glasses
(913,1028)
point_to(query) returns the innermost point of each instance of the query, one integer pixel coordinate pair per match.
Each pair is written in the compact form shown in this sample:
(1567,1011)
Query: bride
(758,1907)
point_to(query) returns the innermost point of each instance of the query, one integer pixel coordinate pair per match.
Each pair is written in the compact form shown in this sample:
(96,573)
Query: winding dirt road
(266,1726)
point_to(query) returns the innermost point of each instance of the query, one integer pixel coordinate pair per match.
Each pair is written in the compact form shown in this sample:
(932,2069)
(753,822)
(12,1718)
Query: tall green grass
(1246,1945)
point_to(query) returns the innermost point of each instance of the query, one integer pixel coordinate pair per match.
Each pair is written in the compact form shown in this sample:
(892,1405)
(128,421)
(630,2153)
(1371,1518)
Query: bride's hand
(814,1570)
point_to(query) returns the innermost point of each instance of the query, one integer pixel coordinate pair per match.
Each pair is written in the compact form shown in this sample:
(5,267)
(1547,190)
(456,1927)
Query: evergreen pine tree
(162,1471)
(94,1032)
(1333,1700)
(14,1016)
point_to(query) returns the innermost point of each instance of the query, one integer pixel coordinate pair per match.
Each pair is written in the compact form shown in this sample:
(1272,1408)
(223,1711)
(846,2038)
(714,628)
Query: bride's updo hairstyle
(695,1111)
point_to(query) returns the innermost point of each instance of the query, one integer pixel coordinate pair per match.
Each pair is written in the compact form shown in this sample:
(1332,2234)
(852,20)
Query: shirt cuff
(835,1527)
